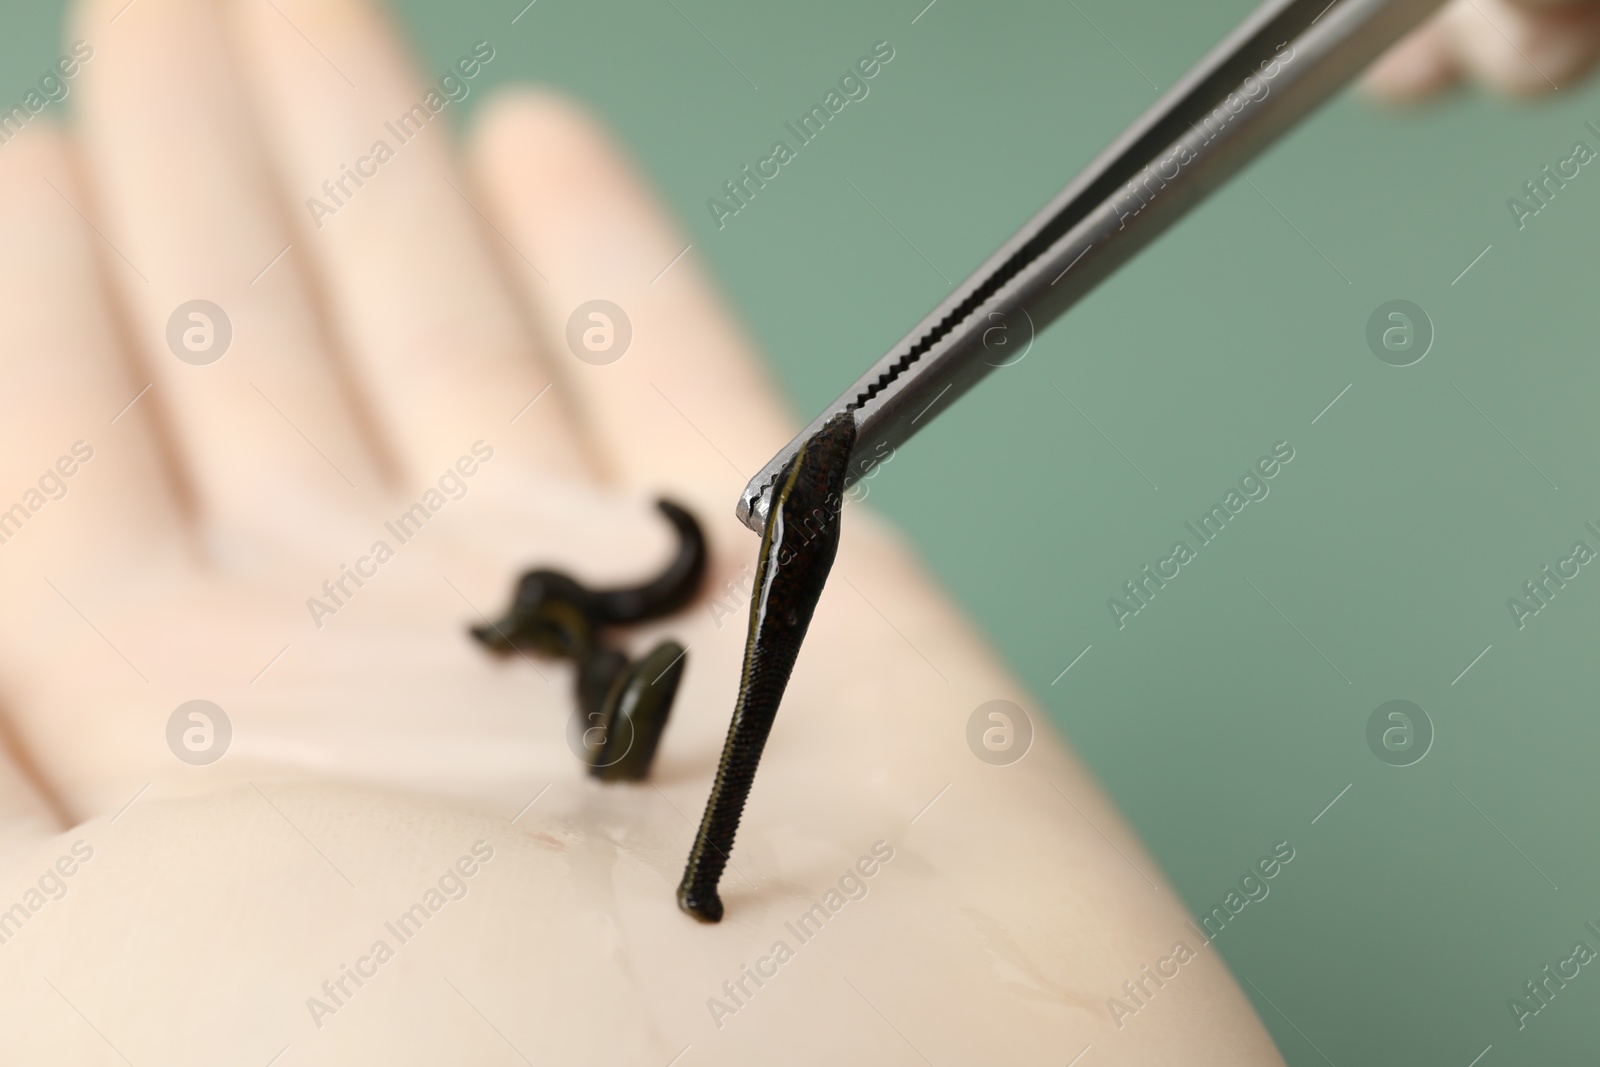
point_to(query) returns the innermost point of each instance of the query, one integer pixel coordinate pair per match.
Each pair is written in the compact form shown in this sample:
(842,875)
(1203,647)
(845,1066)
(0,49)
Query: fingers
(27,814)
(416,294)
(184,200)
(1521,47)
(79,471)
(685,400)
(1419,66)
(1525,48)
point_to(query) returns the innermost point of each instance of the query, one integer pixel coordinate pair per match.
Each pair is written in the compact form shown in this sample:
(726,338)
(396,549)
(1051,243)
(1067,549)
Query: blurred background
(1234,708)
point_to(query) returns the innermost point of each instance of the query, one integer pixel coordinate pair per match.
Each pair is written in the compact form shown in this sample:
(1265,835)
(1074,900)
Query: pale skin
(375,746)
(1519,47)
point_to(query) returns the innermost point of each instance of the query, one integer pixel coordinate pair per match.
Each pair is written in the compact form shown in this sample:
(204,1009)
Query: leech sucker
(797,551)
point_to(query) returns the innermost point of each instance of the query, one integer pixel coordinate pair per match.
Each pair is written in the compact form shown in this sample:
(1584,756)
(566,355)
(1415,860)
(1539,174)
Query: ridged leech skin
(623,706)
(797,551)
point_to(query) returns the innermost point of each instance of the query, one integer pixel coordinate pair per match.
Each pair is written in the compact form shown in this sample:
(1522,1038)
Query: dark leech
(623,706)
(639,701)
(675,587)
(797,551)
(545,600)
(550,613)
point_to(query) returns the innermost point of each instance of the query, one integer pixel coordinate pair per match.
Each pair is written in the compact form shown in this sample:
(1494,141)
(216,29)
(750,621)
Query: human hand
(1521,47)
(375,747)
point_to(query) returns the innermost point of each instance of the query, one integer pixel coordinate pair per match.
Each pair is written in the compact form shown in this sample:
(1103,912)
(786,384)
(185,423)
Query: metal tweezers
(1277,66)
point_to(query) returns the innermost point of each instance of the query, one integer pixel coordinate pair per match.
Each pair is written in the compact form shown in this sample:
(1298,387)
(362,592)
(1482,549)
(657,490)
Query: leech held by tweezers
(797,552)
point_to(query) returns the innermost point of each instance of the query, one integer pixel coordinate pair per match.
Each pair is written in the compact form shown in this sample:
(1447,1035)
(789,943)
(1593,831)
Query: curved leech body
(634,714)
(623,706)
(797,552)
(555,613)
(670,591)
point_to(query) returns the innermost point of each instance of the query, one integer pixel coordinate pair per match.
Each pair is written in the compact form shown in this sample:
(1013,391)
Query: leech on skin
(623,706)
(797,551)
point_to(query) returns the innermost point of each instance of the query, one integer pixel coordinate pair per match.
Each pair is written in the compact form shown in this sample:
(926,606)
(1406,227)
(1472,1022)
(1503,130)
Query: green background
(1426,897)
